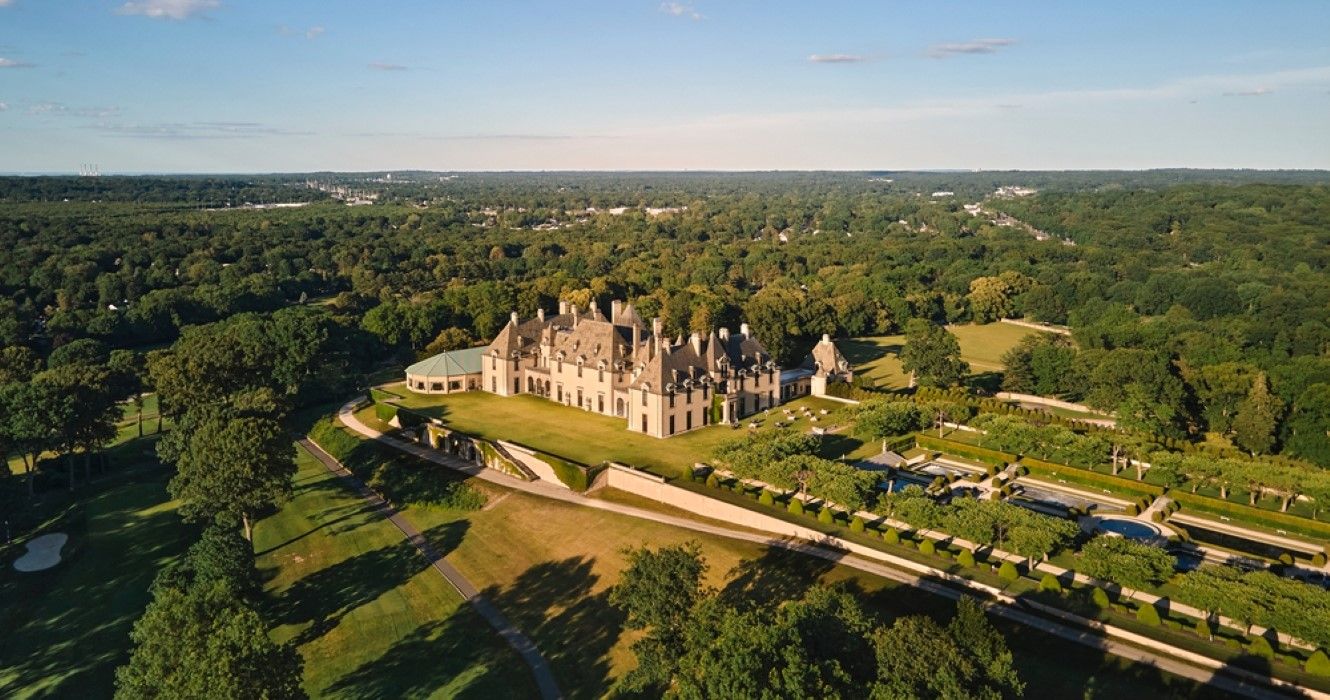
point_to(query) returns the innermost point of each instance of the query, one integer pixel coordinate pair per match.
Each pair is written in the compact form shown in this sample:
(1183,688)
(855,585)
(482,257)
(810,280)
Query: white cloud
(678,9)
(11,63)
(1257,92)
(6,3)
(4,106)
(196,130)
(979,46)
(311,33)
(168,9)
(380,65)
(836,58)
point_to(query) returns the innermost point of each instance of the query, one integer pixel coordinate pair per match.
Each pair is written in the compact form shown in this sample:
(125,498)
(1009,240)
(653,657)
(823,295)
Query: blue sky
(246,86)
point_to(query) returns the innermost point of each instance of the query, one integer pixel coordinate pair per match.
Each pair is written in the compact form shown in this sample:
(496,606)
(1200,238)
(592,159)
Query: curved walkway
(1203,670)
(549,689)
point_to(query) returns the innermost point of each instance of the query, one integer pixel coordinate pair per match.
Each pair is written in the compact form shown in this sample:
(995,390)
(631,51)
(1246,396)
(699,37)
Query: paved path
(549,689)
(1252,686)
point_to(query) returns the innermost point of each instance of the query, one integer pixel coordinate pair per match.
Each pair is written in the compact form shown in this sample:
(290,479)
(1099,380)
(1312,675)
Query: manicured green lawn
(591,438)
(64,631)
(981,345)
(369,616)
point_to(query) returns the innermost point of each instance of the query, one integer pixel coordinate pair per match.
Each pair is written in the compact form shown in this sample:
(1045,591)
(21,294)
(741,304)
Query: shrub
(1157,516)
(796,506)
(1133,509)
(574,476)
(712,481)
(1050,583)
(1147,614)
(1318,664)
(824,516)
(1286,558)
(1318,559)
(385,411)
(926,546)
(766,498)
(1259,646)
(965,558)
(856,524)
(1100,598)
(891,536)
(1203,628)
(1007,572)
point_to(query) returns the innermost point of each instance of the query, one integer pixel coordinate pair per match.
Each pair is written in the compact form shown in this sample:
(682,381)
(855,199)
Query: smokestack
(826,337)
(563,307)
(655,332)
(637,339)
(540,315)
(577,315)
(615,307)
(513,318)
(743,329)
(592,311)
(696,341)
(724,333)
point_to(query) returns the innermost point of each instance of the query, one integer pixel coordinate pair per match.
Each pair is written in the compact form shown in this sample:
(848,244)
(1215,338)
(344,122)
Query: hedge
(385,411)
(1318,664)
(1007,572)
(961,449)
(1260,516)
(574,476)
(332,439)
(1147,615)
(1085,476)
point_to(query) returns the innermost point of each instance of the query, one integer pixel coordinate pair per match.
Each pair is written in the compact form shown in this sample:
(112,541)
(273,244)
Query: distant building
(447,372)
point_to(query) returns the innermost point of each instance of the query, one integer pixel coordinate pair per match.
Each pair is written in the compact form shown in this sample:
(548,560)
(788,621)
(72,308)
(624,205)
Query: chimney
(615,307)
(655,333)
(743,330)
(637,339)
(577,315)
(592,310)
(513,318)
(540,315)
(724,334)
(696,340)
(826,338)
(563,307)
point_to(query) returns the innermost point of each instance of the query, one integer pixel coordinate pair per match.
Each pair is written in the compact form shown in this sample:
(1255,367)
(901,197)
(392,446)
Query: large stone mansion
(622,366)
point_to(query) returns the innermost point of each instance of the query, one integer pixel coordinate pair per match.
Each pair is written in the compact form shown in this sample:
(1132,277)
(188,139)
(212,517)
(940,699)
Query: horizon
(228,86)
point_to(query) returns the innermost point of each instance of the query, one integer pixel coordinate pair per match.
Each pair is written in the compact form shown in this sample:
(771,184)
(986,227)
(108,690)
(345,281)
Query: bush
(856,524)
(385,412)
(1318,664)
(1133,509)
(766,498)
(1286,558)
(965,558)
(574,476)
(1260,647)
(891,536)
(824,516)
(1007,572)
(926,546)
(1318,559)
(1203,628)
(796,506)
(1100,598)
(712,481)
(1147,614)
(1157,516)
(1050,583)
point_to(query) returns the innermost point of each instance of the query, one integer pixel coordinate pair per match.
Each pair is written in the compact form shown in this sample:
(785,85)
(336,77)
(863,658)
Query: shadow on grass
(445,656)
(776,576)
(322,598)
(333,519)
(574,629)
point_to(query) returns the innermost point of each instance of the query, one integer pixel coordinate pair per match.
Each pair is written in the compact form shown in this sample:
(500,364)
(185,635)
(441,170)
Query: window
(644,422)
(494,385)
(704,393)
(688,421)
(494,362)
(706,416)
(436,386)
(579,397)
(600,374)
(454,386)
(600,403)
(671,425)
(517,385)
(644,395)
(671,399)
(559,396)
(688,395)
(579,370)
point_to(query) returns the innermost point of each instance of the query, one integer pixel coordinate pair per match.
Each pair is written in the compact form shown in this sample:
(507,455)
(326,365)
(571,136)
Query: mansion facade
(621,366)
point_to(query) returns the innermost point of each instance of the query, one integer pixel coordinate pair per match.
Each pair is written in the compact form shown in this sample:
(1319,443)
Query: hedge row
(1136,488)
(960,449)
(1260,516)
(385,411)
(333,439)
(574,476)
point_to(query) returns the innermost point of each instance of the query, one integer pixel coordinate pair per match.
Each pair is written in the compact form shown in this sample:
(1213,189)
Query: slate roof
(449,364)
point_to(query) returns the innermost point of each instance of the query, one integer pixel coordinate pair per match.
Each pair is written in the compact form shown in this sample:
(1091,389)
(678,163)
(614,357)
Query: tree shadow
(776,576)
(322,598)
(438,657)
(335,523)
(574,628)
(989,382)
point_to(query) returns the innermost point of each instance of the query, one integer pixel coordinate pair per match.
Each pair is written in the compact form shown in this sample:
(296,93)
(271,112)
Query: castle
(621,366)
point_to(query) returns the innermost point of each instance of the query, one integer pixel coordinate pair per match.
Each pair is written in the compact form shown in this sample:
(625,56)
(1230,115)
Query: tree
(203,641)
(916,657)
(90,422)
(878,419)
(18,363)
(657,593)
(232,466)
(34,416)
(451,338)
(1308,426)
(1125,562)
(1257,419)
(932,354)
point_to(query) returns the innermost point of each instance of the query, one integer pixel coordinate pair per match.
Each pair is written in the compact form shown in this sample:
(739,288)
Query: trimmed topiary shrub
(1286,558)
(1259,646)
(766,498)
(965,558)
(1203,628)
(1007,572)
(856,524)
(1157,517)
(891,536)
(712,481)
(1318,664)
(1147,614)
(1099,597)
(926,546)
(796,506)
(1050,583)
(825,517)
(1318,559)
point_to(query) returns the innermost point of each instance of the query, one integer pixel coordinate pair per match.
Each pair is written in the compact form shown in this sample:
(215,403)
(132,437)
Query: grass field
(591,438)
(982,346)
(368,615)
(67,629)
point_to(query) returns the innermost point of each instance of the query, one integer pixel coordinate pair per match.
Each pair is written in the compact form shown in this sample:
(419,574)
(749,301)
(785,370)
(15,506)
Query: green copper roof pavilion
(453,363)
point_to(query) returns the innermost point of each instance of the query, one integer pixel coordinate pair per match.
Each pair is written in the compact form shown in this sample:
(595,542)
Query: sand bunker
(43,552)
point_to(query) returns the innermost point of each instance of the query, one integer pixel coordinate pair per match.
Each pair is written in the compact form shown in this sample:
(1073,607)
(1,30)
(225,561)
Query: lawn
(591,438)
(367,613)
(982,346)
(67,629)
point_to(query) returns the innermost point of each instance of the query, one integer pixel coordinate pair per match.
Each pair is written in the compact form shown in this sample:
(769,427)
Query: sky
(302,85)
